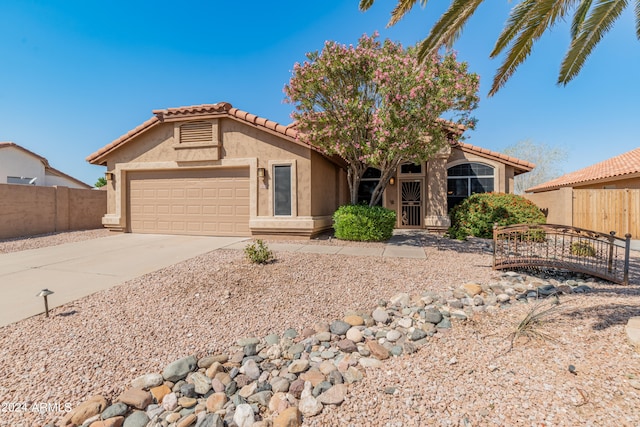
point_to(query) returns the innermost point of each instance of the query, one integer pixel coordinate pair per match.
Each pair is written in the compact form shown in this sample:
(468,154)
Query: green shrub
(364,223)
(583,248)
(258,252)
(476,215)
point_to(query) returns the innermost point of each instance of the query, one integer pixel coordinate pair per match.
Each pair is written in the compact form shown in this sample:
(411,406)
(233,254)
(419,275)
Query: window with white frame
(466,179)
(282,190)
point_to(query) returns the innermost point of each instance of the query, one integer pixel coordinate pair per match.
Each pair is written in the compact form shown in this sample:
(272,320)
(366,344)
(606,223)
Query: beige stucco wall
(28,210)
(238,144)
(326,185)
(557,205)
(16,162)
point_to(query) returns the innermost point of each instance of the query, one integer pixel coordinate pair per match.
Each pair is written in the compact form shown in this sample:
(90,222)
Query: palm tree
(528,20)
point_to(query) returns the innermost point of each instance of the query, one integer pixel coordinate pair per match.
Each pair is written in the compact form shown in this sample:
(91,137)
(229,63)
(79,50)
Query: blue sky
(76,75)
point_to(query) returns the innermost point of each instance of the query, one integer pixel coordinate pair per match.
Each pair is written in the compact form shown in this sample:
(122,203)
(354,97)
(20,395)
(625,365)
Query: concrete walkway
(75,270)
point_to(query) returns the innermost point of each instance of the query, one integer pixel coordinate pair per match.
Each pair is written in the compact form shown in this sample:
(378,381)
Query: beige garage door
(212,202)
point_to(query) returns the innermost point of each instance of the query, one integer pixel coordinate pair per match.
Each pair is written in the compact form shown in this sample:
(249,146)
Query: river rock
(377,350)
(244,416)
(170,402)
(216,401)
(136,419)
(290,417)
(334,396)
(147,381)
(136,398)
(179,369)
(298,366)
(87,409)
(472,289)
(380,315)
(402,299)
(339,327)
(432,315)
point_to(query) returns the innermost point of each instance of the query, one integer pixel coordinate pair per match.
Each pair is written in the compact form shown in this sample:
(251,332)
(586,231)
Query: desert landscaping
(582,371)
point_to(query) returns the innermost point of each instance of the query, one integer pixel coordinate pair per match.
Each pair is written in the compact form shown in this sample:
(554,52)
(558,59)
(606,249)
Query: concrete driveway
(75,270)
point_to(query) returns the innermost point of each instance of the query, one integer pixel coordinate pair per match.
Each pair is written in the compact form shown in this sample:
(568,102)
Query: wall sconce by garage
(45,293)
(262,177)
(392,181)
(108,176)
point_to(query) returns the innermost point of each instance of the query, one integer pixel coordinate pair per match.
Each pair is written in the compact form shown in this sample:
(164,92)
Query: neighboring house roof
(521,166)
(626,165)
(48,169)
(14,145)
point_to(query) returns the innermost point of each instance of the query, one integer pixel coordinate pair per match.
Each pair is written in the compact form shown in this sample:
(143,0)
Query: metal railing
(559,246)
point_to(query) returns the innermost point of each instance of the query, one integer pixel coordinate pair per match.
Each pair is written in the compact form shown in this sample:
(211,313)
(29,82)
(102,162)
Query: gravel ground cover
(466,376)
(52,239)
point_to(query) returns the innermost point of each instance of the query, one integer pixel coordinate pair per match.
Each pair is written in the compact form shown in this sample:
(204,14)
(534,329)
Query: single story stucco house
(216,170)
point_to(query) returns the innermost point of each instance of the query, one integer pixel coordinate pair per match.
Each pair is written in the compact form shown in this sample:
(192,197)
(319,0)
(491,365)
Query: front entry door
(411,203)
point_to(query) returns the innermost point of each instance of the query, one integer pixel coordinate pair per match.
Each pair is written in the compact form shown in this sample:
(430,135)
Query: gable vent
(196,132)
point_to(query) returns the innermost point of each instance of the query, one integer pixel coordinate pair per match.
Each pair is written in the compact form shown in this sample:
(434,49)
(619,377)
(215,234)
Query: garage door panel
(201,202)
(209,193)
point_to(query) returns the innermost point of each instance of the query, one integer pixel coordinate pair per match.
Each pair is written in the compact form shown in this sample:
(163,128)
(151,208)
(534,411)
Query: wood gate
(607,209)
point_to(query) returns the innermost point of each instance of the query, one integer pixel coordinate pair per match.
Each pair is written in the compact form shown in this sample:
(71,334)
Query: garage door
(212,202)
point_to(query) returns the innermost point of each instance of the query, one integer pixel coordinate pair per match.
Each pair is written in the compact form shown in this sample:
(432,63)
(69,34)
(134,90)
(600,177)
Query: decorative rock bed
(277,380)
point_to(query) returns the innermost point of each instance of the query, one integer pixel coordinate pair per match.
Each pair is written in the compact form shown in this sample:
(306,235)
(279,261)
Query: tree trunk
(353,178)
(386,172)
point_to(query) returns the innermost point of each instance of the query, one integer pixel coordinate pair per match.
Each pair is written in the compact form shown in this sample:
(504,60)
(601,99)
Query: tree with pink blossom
(375,105)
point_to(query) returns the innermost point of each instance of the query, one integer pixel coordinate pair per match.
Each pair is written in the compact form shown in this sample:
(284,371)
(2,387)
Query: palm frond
(402,8)
(448,27)
(637,19)
(365,4)
(601,19)
(518,17)
(579,17)
(542,16)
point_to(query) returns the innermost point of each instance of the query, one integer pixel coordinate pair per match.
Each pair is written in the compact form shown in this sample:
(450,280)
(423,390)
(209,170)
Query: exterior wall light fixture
(392,181)
(261,172)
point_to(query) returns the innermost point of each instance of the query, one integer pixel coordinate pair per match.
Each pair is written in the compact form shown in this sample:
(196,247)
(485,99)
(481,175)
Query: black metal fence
(560,246)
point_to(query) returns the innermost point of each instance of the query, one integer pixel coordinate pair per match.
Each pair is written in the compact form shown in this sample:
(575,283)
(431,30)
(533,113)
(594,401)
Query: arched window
(466,179)
(368,182)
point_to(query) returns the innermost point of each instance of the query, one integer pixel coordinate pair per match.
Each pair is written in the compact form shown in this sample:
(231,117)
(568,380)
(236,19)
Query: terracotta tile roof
(521,166)
(93,158)
(619,166)
(220,109)
(225,109)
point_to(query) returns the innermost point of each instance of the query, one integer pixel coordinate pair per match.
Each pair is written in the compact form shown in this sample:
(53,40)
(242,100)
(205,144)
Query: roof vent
(196,133)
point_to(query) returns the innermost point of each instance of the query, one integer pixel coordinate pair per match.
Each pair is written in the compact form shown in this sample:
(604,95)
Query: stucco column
(436,217)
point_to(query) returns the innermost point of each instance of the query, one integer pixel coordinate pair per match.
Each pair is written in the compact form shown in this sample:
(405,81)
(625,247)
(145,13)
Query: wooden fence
(607,210)
(603,210)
